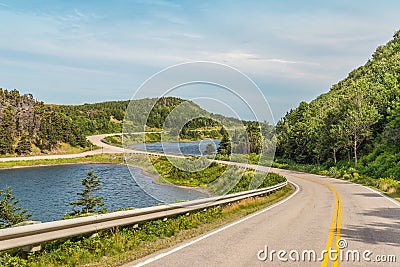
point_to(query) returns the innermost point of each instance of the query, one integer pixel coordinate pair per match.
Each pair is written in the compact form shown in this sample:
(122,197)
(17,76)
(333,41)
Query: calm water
(46,191)
(195,148)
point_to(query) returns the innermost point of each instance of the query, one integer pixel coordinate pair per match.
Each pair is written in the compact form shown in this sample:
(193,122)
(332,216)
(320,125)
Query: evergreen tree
(225,144)
(23,146)
(6,141)
(87,200)
(6,131)
(10,213)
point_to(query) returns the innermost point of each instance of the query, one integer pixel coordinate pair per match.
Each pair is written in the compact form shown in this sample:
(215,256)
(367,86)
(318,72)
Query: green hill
(107,117)
(28,125)
(356,123)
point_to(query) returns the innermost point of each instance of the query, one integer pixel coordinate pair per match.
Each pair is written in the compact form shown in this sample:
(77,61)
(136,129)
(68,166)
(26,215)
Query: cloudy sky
(76,52)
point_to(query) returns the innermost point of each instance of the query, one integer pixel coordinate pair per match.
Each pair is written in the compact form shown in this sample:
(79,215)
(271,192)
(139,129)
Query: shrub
(347,176)
(388,185)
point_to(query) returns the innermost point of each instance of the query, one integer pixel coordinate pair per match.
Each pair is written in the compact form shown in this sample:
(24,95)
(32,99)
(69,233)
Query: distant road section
(94,139)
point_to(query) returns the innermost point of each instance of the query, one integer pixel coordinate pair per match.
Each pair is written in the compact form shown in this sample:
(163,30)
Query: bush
(12,261)
(347,176)
(388,185)
(348,171)
(334,172)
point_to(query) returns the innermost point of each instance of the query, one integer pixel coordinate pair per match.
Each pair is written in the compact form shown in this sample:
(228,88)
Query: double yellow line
(335,224)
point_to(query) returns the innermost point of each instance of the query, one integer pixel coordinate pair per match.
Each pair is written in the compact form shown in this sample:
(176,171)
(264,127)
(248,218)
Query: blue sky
(76,52)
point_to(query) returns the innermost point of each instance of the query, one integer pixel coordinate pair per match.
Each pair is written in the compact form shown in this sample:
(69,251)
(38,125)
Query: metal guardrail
(39,233)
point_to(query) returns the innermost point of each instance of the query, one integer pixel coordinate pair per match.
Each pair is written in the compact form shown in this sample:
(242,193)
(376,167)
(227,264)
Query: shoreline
(18,157)
(143,170)
(197,189)
(155,178)
(55,164)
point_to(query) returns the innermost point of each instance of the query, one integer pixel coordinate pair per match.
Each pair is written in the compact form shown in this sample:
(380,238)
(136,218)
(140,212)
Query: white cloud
(308,49)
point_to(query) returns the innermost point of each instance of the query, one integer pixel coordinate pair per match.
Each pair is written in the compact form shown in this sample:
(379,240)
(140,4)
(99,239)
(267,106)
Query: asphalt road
(94,139)
(321,212)
(364,219)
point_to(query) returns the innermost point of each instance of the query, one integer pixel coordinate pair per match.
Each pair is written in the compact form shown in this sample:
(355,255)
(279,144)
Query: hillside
(356,123)
(108,117)
(97,118)
(27,124)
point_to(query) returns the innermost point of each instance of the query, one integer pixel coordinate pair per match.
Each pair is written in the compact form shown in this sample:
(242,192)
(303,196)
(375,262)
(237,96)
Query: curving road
(94,139)
(367,221)
(321,212)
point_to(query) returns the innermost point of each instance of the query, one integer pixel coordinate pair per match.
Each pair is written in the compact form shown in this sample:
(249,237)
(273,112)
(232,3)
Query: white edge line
(394,201)
(382,195)
(162,255)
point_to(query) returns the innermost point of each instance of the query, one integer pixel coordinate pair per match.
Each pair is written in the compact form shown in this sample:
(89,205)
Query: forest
(356,123)
(30,126)
(27,124)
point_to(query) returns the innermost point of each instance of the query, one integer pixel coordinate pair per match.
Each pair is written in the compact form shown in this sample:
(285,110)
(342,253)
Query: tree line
(26,123)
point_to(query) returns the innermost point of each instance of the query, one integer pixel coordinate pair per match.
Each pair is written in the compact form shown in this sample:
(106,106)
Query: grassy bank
(114,140)
(214,177)
(388,186)
(60,149)
(124,244)
(100,158)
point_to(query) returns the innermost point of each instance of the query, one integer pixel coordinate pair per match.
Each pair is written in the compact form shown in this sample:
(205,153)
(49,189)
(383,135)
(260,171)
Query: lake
(193,148)
(46,191)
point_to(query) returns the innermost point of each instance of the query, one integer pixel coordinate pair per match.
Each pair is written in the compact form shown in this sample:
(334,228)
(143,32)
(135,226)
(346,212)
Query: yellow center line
(335,263)
(335,224)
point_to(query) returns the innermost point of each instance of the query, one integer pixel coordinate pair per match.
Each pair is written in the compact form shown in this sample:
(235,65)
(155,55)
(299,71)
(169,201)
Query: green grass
(61,149)
(388,186)
(216,178)
(171,173)
(100,158)
(124,244)
(263,179)
(115,140)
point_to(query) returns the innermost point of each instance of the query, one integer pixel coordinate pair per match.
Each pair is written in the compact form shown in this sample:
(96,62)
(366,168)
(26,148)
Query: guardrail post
(29,248)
